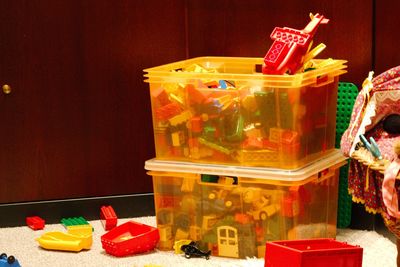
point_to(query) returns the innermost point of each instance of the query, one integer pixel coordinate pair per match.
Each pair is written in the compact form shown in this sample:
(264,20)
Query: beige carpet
(20,242)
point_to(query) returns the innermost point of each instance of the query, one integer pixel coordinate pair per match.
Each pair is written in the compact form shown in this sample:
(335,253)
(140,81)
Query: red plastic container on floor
(130,238)
(325,252)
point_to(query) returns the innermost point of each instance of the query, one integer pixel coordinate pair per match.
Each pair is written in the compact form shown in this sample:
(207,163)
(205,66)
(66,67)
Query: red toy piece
(323,252)
(35,222)
(108,217)
(289,47)
(130,238)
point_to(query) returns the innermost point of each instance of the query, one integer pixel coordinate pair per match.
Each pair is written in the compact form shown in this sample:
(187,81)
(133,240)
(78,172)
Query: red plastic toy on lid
(130,238)
(290,46)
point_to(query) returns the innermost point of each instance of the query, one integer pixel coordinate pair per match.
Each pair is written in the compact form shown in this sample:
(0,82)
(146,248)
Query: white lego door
(228,242)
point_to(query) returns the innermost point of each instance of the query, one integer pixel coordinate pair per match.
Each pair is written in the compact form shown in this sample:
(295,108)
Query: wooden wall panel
(118,46)
(41,135)
(387,41)
(78,121)
(242,28)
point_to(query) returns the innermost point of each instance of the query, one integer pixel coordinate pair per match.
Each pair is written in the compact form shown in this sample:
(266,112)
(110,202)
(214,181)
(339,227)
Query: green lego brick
(347,94)
(207,178)
(73,221)
(285,111)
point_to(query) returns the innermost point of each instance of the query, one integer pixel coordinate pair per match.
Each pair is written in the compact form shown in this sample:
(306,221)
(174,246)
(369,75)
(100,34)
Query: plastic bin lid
(334,158)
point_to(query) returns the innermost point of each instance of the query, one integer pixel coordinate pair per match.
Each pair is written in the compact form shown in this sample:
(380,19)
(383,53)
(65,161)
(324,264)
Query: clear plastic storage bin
(224,110)
(234,210)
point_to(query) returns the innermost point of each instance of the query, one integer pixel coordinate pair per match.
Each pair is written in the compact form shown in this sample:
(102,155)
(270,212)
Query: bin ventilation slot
(324,174)
(258,68)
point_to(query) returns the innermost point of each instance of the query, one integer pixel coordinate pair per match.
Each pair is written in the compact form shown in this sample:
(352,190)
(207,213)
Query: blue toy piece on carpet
(9,261)
(347,93)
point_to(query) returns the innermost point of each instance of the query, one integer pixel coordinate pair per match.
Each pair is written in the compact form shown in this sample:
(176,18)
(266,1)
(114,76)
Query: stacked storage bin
(243,157)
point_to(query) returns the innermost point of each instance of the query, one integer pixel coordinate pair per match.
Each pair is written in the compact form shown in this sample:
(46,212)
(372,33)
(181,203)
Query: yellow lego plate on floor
(65,241)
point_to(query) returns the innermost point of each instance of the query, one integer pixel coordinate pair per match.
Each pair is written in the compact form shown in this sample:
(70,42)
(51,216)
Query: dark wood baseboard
(125,206)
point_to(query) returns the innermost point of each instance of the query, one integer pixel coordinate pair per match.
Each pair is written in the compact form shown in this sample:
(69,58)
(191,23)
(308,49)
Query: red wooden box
(325,252)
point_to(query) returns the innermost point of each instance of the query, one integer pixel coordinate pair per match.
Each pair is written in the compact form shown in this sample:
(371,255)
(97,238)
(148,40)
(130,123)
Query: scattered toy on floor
(9,261)
(79,237)
(108,217)
(130,238)
(192,250)
(35,222)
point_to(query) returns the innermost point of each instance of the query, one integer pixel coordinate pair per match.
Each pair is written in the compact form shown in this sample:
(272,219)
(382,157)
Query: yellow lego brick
(181,234)
(195,232)
(275,134)
(176,98)
(80,230)
(165,232)
(179,243)
(226,180)
(181,118)
(177,138)
(252,156)
(249,103)
(253,131)
(215,146)
(261,251)
(202,152)
(165,245)
(188,185)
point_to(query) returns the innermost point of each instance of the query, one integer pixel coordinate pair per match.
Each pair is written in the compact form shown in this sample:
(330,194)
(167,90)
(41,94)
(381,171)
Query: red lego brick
(160,96)
(168,111)
(196,96)
(108,217)
(35,222)
(196,124)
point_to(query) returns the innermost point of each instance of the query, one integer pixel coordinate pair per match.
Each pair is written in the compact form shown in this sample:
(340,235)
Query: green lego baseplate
(347,94)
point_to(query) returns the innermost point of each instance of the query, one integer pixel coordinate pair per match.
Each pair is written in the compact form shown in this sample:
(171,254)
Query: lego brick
(108,217)
(35,222)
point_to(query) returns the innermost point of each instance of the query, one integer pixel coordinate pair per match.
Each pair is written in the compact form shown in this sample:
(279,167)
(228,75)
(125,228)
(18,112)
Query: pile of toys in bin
(245,153)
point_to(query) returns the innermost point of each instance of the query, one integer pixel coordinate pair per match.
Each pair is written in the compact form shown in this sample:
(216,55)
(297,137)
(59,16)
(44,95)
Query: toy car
(191,250)
(9,261)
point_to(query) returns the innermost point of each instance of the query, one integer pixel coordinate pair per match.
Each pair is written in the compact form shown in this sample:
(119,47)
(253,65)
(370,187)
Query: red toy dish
(130,238)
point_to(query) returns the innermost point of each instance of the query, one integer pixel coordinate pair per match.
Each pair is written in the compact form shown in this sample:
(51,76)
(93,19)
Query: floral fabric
(379,97)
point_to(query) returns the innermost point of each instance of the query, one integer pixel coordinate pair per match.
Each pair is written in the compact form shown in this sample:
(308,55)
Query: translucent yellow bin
(224,110)
(234,210)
